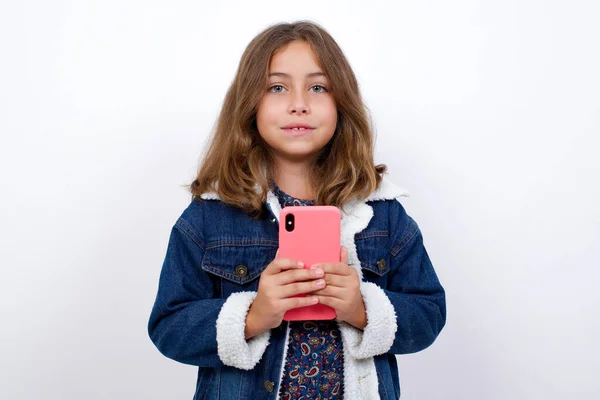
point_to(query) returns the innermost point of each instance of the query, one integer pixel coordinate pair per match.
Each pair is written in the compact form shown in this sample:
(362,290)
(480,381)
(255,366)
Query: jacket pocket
(236,263)
(373,250)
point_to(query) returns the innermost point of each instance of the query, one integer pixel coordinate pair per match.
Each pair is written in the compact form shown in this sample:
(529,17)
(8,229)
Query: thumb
(344,255)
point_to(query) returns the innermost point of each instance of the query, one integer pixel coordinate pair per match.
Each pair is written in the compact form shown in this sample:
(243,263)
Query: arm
(407,315)
(417,296)
(187,323)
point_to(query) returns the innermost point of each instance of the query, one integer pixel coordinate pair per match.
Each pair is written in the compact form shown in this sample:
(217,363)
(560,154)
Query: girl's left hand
(342,291)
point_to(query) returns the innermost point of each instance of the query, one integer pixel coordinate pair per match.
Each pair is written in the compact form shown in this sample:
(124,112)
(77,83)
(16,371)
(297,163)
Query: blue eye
(278,87)
(322,88)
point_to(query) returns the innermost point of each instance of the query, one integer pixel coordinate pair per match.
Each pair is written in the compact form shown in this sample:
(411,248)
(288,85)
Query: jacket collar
(355,218)
(387,190)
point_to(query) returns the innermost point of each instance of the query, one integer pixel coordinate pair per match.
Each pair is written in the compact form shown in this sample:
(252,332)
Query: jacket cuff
(379,334)
(232,347)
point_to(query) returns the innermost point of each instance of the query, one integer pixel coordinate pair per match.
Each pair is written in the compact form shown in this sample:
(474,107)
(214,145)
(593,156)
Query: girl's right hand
(282,279)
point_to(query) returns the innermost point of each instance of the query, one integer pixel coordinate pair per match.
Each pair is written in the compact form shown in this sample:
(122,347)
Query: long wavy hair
(237,164)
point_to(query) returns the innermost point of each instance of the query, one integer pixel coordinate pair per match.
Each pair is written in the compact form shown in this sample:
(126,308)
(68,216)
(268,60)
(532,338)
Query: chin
(296,154)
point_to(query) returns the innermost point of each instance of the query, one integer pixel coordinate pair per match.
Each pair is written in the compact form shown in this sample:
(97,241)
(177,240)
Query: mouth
(297,129)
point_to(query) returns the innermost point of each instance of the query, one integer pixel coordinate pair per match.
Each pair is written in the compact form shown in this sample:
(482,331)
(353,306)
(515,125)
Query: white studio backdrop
(486,111)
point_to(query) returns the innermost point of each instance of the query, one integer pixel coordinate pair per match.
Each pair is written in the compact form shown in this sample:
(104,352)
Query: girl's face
(297,115)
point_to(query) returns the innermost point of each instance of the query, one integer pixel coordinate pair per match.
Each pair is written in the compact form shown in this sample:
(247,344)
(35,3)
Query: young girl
(293,131)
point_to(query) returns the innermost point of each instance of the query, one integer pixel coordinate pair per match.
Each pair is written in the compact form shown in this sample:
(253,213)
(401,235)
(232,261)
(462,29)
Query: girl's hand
(281,279)
(342,292)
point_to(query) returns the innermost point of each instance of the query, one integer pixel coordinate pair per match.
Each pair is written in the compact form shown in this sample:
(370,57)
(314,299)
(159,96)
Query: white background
(488,112)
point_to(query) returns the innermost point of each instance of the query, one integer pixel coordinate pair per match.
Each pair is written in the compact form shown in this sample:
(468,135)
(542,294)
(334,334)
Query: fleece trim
(232,347)
(378,336)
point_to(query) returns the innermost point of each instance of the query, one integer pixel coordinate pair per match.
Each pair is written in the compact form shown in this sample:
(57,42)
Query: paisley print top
(314,363)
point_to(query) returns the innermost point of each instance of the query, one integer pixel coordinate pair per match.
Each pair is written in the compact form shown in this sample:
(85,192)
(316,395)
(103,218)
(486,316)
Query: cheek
(260,110)
(266,113)
(328,112)
(262,117)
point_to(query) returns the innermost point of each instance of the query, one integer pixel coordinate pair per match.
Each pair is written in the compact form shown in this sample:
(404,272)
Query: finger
(344,255)
(329,291)
(296,288)
(298,275)
(332,302)
(282,264)
(341,281)
(295,302)
(335,268)
(277,254)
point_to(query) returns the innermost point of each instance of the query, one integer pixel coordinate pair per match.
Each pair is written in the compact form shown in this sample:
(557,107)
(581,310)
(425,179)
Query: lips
(298,129)
(297,126)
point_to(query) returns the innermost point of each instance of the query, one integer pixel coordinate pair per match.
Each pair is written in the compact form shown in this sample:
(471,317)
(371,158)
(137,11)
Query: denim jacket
(210,276)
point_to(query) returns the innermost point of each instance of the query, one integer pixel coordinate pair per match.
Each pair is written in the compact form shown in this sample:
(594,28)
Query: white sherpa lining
(285,350)
(378,336)
(360,375)
(232,346)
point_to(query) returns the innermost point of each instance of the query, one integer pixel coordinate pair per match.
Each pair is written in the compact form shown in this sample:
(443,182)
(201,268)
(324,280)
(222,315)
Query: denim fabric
(211,239)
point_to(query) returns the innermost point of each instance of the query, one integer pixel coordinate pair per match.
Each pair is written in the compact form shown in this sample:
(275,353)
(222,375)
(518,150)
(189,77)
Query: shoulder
(387,190)
(387,206)
(205,216)
(386,200)
(200,212)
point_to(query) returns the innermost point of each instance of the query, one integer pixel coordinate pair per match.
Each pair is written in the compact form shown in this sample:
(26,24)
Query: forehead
(296,58)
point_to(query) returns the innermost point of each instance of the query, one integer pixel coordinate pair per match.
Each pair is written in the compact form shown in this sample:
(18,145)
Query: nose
(298,104)
(299,110)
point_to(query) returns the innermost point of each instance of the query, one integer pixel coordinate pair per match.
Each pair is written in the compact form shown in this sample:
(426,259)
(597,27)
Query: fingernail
(314,299)
(320,283)
(300,264)
(319,272)
(314,266)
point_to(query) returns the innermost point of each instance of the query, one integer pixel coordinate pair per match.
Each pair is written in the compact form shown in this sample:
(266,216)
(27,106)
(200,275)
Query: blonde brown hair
(238,158)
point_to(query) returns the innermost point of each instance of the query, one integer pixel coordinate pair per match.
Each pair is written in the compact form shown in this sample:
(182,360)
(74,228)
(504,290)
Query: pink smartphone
(312,235)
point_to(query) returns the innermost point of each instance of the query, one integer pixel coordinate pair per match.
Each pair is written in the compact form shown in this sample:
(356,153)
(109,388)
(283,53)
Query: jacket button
(273,220)
(241,271)
(269,386)
(381,264)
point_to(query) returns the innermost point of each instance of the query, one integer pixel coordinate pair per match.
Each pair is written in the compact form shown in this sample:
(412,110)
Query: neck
(293,179)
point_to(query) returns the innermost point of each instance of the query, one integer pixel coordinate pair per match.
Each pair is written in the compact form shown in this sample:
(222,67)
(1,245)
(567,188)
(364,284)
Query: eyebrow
(311,75)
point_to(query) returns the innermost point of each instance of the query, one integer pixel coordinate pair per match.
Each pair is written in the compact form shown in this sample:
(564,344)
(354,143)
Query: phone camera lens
(289,222)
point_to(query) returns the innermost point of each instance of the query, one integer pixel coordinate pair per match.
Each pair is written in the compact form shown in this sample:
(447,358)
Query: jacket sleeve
(188,322)
(413,288)
(408,314)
